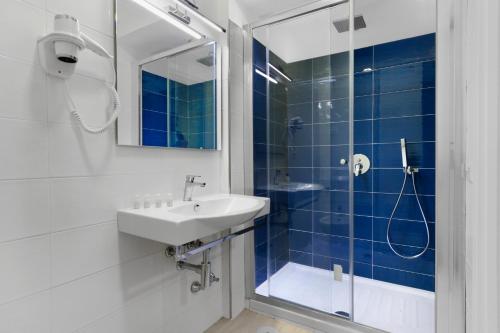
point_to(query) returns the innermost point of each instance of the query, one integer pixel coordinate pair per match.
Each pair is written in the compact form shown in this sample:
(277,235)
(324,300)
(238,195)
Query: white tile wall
(26,315)
(25,267)
(24,149)
(22,89)
(64,265)
(17,221)
(22,24)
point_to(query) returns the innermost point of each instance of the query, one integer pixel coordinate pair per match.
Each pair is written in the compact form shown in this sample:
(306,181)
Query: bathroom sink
(191,220)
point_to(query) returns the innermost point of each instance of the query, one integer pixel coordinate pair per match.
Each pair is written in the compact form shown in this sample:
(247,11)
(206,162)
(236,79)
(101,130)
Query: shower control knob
(343,161)
(361,164)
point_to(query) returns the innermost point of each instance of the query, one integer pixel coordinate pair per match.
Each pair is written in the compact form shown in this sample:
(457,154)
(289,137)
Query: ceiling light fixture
(183,17)
(280,72)
(258,71)
(166,17)
(189,6)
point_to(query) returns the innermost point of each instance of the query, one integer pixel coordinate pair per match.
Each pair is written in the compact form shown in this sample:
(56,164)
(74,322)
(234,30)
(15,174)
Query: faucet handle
(191,178)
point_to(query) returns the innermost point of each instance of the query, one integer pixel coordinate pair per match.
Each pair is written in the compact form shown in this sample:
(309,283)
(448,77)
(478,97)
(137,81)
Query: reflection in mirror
(166,79)
(178,100)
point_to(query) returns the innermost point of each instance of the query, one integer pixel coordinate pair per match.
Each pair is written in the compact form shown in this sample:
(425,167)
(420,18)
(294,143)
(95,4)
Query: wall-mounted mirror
(167,79)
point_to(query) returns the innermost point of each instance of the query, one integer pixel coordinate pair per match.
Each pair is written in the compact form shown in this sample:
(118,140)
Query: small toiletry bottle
(147,201)
(158,201)
(137,203)
(170,200)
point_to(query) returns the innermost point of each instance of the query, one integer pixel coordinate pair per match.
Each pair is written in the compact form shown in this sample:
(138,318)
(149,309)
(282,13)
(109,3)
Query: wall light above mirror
(167,78)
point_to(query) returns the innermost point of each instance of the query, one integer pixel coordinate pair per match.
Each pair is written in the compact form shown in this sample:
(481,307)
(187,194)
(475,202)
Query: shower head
(343,25)
(207,61)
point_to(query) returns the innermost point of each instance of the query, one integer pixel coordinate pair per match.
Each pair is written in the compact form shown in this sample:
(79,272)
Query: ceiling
(142,34)
(313,35)
(258,9)
(185,67)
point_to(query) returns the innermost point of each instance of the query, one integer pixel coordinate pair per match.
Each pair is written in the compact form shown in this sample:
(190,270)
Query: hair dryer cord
(115,105)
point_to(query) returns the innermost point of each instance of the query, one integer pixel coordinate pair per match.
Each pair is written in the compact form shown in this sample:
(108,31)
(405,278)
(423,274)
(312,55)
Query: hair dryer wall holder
(48,59)
(59,53)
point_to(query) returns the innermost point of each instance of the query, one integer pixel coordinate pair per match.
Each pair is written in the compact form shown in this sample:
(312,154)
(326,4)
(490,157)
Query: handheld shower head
(403,154)
(406,168)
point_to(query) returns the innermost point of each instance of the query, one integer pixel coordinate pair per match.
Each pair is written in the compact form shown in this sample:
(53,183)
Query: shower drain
(266,329)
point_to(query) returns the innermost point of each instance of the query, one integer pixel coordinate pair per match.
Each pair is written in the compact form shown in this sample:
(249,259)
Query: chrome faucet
(188,186)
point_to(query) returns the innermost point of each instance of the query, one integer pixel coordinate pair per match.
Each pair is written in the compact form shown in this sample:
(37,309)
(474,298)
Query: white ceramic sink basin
(188,221)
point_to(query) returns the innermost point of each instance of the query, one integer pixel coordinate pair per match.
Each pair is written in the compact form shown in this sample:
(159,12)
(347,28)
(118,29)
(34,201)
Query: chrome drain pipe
(204,270)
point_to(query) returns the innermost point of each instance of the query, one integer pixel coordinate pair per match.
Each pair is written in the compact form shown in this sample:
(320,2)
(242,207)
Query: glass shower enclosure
(336,90)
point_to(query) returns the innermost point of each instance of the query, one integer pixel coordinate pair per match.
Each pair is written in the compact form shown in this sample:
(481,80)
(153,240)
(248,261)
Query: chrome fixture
(361,164)
(178,14)
(183,252)
(190,249)
(204,269)
(193,8)
(407,170)
(188,186)
(168,18)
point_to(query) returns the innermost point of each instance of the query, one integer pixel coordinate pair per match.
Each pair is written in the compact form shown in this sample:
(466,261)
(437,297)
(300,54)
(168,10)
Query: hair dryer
(58,52)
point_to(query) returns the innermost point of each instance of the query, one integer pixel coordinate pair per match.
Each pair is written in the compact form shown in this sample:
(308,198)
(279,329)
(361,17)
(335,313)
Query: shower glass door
(302,120)
(344,145)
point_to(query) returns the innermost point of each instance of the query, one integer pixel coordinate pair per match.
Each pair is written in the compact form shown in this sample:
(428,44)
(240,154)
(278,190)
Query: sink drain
(266,329)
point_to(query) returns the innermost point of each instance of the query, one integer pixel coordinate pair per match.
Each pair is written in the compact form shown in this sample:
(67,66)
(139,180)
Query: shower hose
(412,173)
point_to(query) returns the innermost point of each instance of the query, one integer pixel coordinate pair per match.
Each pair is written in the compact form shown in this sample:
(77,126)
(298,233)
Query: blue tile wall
(272,240)
(154,110)
(192,123)
(394,98)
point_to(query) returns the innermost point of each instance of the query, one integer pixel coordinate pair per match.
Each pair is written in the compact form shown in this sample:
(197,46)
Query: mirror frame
(169,53)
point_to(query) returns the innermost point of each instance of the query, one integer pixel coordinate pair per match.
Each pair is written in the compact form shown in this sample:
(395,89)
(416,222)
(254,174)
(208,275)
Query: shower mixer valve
(361,164)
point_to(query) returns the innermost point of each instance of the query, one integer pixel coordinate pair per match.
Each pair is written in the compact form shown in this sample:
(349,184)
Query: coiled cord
(115,105)
(421,212)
